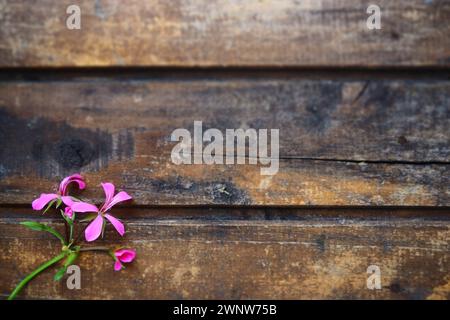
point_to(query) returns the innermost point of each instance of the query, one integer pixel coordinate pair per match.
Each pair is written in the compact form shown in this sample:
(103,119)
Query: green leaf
(58,276)
(42,227)
(70,259)
(58,203)
(49,205)
(36,226)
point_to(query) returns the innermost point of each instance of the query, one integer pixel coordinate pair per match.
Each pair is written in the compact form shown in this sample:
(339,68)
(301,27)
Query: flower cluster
(69,207)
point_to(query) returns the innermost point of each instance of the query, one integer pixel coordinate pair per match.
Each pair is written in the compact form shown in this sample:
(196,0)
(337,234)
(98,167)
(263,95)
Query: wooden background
(364,119)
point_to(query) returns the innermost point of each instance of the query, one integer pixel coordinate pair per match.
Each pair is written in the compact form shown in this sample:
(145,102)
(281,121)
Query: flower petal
(94,229)
(68,212)
(125,255)
(117,266)
(68,201)
(83,207)
(77,178)
(116,223)
(120,197)
(42,201)
(109,192)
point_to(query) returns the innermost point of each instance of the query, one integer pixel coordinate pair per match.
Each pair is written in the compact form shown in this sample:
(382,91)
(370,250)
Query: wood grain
(260,259)
(224,33)
(341,142)
(364,122)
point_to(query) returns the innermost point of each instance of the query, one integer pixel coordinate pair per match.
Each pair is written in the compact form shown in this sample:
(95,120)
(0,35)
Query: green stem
(69,227)
(69,232)
(35,273)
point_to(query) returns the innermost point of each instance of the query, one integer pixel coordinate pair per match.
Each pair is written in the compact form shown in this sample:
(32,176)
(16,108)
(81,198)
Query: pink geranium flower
(45,198)
(68,210)
(123,255)
(94,229)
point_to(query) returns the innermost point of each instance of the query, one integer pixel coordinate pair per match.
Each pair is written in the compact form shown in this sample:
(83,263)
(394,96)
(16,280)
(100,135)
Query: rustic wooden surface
(364,120)
(341,142)
(225,33)
(301,258)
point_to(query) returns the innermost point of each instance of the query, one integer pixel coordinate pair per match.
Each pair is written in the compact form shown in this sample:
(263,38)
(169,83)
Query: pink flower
(94,229)
(123,255)
(45,198)
(68,210)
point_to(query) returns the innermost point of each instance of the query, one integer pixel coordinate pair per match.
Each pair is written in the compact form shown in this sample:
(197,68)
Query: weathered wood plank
(198,259)
(225,33)
(346,120)
(298,183)
(341,142)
